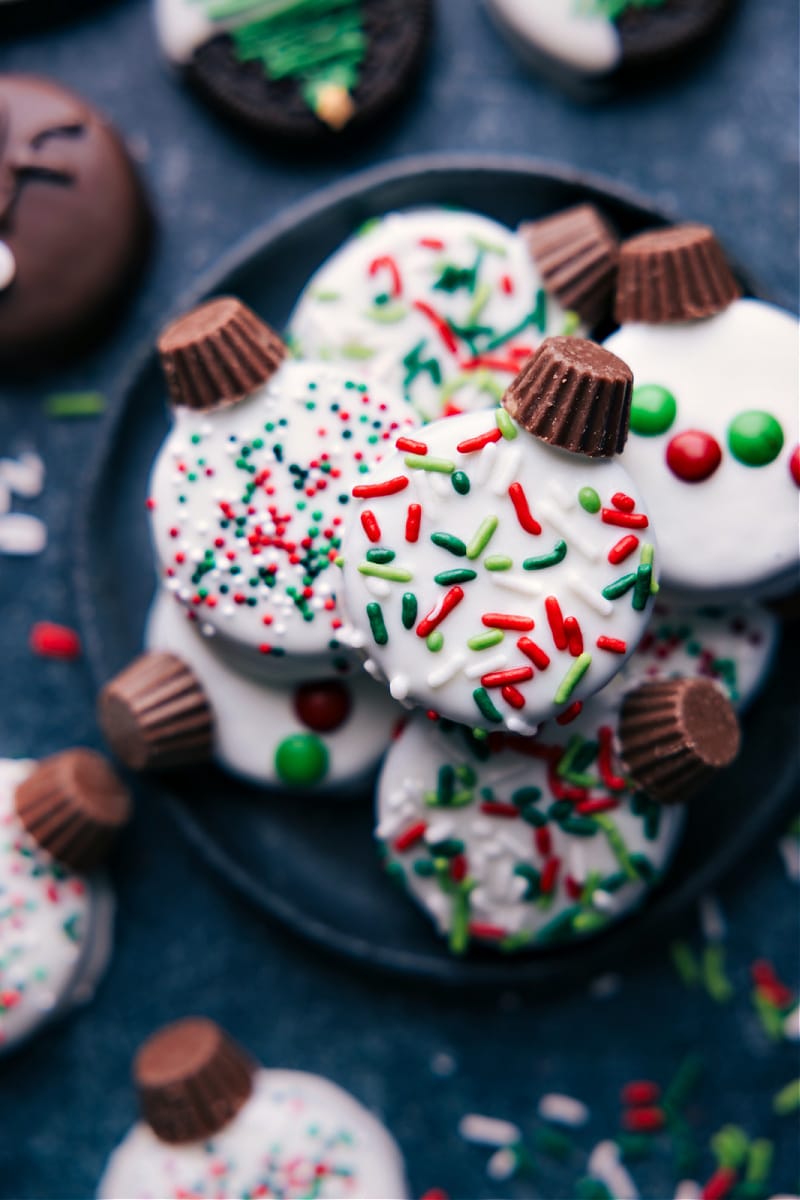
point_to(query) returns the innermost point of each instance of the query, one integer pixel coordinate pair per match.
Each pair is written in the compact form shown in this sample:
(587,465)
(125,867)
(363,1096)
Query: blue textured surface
(720,145)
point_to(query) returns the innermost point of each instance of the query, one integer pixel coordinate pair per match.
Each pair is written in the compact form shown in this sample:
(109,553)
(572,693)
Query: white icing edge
(587,43)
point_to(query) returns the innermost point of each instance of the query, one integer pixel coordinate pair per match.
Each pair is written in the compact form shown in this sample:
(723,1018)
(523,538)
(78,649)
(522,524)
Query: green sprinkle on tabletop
(74,404)
(787,1100)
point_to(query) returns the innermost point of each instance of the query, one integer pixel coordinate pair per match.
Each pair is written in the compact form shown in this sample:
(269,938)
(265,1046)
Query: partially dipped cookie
(74,223)
(445,305)
(249,492)
(499,566)
(58,819)
(298,70)
(181,704)
(522,843)
(714,418)
(216,1124)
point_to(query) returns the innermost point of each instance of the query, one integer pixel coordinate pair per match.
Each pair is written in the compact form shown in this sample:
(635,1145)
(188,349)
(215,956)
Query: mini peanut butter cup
(576,252)
(73,805)
(574,394)
(672,275)
(675,734)
(217,354)
(155,714)
(192,1079)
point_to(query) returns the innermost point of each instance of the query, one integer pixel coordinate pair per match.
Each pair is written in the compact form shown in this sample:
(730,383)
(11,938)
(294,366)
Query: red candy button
(794,465)
(693,455)
(322,707)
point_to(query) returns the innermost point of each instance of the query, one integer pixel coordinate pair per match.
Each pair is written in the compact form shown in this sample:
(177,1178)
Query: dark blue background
(719,144)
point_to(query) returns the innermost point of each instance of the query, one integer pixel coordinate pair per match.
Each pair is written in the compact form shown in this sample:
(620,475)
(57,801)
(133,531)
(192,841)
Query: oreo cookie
(593,47)
(308,71)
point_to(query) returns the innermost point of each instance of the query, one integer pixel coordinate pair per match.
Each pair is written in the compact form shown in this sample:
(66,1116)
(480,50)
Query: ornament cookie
(438,305)
(216,1124)
(592,47)
(249,492)
(182,703)
(496,573)
(57,820)
(74,223)
(299,71)
(529,842)
(714,419)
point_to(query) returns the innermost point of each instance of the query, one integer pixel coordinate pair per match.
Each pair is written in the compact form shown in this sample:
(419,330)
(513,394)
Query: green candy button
(653,409)
(301,760)
(755,438)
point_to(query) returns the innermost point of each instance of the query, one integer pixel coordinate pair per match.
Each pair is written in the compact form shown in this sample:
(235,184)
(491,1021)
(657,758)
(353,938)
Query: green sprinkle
(560,926)
(731,1145)
(393,574)
(75,404)
(759,1161)
(482,297)
(326,297)
(380,556)
(484,641)
(445,784)
(377,624)
(422,462)
(435,641)
(409,610)
(556,555)
(498,562)
(633,1147)
(526,795)
(457,575)
(619,587)
(572,678)
(787,1099)
(553,1142)
(458,938)
(572,323)
(460,481)
(505,423)
(485,705)
(589,500)
(641,589)
(356,351)
(482,537)
(617,844)
(447,541)
(716,981)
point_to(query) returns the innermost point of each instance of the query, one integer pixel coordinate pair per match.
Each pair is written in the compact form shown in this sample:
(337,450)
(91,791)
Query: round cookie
(590,47)
(319,735)
(439,305)
(262,1132)
(733,645)
(248,495)
(714,437)
(492,576)
(295,71)
(56,920)
(74,223)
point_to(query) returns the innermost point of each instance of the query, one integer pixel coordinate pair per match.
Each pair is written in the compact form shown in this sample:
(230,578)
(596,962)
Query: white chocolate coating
(252,718)
(563,29)
(55,925)
(482,849)
(355,308)
(733,645)
(265,485)
(297,1136)
(507,578)
(183,26)
(735,534)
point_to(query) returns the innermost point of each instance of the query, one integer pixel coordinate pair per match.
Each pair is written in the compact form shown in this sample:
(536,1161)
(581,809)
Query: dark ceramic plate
(312,864)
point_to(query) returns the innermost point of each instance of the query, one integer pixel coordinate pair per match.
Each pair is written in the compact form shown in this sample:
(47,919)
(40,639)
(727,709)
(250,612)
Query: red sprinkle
(574,636)
(390,487)
(431,244)
(507,621)
(543,840)
(496,808)
(512,696)
(439,323)
(489,933)
(794,465)
(470,445)
(413,834)
(640,1092)
(491,364)
(601,804)
(439,611)
(614,645)
(370,524)
(535,653)
(509,675)
(410,446)
(622,502)
(569,714)
(555,619)
(413,519)
(643,1120)
(605,737)
(458,868)
(627,520)
(54,641)
(389,264)
(516,494)
(623,548)
(549,875)
(720,1184)
(507,285)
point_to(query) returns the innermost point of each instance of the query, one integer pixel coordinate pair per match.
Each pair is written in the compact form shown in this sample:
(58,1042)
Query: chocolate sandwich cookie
(74,222)
(301,70)
(591,47)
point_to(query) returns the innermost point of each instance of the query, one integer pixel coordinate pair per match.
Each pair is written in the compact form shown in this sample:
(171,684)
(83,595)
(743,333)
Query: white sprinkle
(790,853)
(564,1110)
(516,583)
(487,457)
(25,475)
(380,588)
(712,919)
(567,528)
(5,498)
(439,830)
(22,534)
(518,726)
(605,986)
(502,1164)
(486,664)
(560,494)
(488,1131)
(687,1189)
(603,901)
(447,671)
(791,1025)
(399,686)
(604,1164)
(596,600)
(8,266)
(443,1065)
(441,484)
(505,471)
